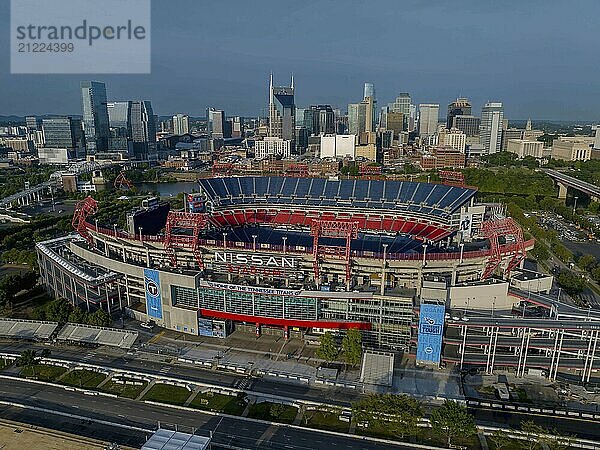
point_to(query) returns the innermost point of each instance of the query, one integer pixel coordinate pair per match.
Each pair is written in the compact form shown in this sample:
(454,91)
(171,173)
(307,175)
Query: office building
(95,116)
(143,129)
(578,148)
(357,116)
(459,107)
(273,147)
(282,112)
(597,138)
(428,118)
(237,127)
(31,123)
(318,119)
(523,148)
(469,125)
(510,134)
(443,157)
(453,138)
(490,132)
(63,132)
(401,104)
(369,92)
(338,146)
(181,124)
(215,122)
(119,118)
(395,121)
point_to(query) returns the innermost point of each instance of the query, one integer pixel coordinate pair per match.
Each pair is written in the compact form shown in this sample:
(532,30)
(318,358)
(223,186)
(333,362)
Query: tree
(539,437)
(399,414)
(78,316)
(99,318)
(27,359)
(352,347)
(586,262)
(501,440)
(452,420)
(572,283)
(276,410)
(328,349)
(58,310)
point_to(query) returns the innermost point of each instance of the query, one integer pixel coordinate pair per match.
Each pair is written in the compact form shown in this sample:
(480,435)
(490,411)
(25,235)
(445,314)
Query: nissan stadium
(292,256)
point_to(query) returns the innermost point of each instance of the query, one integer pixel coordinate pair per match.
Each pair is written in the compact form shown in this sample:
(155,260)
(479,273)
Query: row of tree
(351,348)
(12,284)
(400,416)
(61,311)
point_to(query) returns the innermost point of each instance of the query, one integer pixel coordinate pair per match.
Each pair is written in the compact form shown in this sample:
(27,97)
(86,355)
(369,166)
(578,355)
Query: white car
(147,325)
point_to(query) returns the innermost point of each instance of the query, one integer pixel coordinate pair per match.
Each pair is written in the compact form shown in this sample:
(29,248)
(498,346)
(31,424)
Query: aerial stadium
(287,255)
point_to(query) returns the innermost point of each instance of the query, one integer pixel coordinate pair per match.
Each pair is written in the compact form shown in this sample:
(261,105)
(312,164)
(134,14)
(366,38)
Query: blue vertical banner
(153,297)
(431,329)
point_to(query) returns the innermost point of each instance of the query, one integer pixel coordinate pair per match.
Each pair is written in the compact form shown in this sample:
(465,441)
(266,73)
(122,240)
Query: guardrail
(498,405)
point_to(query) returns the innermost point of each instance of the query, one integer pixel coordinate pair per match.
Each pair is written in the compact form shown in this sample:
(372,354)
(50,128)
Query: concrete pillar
(562,191)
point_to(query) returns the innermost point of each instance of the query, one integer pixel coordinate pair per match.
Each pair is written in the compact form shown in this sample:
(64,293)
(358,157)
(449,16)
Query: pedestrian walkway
(146,389)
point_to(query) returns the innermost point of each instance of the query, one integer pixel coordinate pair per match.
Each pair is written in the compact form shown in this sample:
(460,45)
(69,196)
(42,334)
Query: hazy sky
(540,57)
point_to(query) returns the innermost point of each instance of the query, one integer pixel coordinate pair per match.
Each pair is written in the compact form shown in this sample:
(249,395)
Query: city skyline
(479,60)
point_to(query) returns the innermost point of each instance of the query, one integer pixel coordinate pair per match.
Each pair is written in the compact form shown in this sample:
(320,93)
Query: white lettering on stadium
(249,289)
(279,262)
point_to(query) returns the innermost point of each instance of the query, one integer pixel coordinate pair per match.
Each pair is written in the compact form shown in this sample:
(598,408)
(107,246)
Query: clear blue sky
(540,57)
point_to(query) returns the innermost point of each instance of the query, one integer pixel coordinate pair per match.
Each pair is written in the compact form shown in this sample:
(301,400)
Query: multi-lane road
(227,431)
(238,432)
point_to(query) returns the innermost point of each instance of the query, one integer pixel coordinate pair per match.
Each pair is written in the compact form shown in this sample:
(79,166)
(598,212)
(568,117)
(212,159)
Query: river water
(168,189)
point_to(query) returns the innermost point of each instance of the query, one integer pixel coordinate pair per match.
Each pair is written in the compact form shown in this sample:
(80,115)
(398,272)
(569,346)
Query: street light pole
(575,204)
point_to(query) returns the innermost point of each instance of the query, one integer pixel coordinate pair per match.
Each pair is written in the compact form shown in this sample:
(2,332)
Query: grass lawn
(83,378)
(263,411)
(426,436)
(43,372)
(229,404)
(123,390)
(328,421)
(166,393)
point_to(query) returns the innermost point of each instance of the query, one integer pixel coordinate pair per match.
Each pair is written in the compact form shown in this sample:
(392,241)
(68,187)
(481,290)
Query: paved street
(230,431)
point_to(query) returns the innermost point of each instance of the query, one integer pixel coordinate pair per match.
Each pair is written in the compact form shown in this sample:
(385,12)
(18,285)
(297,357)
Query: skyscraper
(282,112)
(357,116)
(318,119)
(95,116)
(492,116)
(459,107)
(215,122)
(428,118)
(181,124)
(369,92)
(119,118)
(401,104)
(143,129)
(467,124)
(63,132)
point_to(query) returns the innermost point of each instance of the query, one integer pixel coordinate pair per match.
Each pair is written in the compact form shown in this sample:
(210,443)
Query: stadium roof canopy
(175,440)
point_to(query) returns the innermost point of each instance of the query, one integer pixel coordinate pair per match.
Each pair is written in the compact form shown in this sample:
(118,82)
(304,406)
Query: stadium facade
(296,256)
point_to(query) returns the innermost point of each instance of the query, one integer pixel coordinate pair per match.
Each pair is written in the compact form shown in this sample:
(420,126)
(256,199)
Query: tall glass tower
(282,112)
(95,116)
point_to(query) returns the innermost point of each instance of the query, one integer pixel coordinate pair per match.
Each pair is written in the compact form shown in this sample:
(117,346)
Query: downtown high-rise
(490,132)
(95,116)
(282,112)
(428,118)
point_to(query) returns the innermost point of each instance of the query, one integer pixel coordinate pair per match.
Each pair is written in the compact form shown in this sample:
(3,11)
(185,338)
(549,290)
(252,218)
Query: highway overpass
(565,181)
